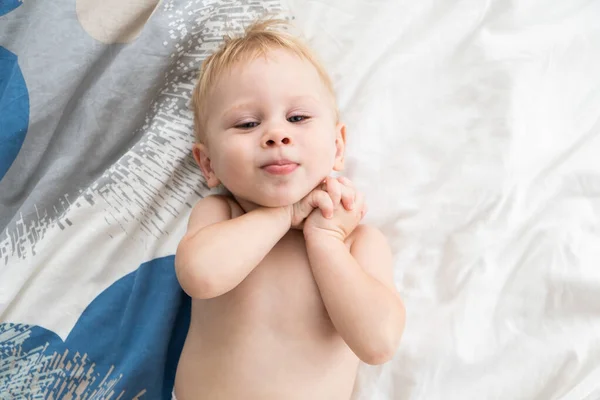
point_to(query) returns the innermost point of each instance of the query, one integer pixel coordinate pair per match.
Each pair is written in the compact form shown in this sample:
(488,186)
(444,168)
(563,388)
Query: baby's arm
(358,291)
(218,252)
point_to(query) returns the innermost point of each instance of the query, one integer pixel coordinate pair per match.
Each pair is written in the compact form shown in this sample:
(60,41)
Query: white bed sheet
(474,130)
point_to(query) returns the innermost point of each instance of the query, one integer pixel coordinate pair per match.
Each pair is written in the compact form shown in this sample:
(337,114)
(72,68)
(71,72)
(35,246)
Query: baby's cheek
(235,158)
(228,168)
(236,171)
(327,156)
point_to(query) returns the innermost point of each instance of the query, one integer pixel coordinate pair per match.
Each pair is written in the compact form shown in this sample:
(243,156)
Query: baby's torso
(269,338)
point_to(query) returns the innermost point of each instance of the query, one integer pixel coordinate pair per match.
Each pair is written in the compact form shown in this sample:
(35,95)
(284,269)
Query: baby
(288,290)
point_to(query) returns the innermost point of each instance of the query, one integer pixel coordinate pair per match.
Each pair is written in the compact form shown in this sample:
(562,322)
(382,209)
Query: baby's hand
(345,218)
(324,197)
(340,190)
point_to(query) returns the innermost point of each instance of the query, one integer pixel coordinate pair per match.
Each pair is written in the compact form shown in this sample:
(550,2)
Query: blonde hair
(258,38)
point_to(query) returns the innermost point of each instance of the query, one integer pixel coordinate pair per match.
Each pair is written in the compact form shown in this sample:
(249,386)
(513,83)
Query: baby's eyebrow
(234,108)
(291,100)
(303,98)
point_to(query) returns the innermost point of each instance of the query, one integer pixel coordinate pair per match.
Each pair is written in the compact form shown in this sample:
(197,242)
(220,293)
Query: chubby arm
(218,252)
(358,291)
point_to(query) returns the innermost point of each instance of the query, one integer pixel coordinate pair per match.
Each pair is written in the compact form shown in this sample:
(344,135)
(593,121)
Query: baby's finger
(348,197)
(326,205)
(349,200)
(345,181)
(322,200)
(334,188)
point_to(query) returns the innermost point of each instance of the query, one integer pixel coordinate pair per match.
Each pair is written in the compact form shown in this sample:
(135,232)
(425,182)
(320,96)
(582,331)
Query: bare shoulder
(371,249)
(211,210)
(208,211)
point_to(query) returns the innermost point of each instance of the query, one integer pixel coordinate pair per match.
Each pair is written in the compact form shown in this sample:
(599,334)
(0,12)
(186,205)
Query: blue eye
(247,125)
(297,118)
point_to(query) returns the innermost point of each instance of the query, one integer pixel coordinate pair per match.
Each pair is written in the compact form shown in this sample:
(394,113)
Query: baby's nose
(276,138)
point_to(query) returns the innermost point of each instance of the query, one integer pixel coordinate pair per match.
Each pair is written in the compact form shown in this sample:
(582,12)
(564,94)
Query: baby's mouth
(280,167)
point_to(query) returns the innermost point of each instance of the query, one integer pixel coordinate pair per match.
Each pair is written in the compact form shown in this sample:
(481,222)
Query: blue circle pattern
(14,108)
(7,6)
(127,341)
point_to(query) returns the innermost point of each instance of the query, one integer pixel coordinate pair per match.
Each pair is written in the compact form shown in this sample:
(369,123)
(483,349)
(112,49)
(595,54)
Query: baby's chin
(278,201)
(278,197)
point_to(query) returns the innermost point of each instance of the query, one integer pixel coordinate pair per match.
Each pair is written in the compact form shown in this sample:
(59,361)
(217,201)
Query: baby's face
(271,132)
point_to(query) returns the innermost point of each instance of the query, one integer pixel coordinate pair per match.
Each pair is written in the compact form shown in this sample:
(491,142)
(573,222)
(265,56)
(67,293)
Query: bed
(473,129)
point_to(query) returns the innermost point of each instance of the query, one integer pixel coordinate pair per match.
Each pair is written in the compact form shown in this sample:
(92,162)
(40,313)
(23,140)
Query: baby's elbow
(199,286)
(193,281)
(378,356)
(382,350)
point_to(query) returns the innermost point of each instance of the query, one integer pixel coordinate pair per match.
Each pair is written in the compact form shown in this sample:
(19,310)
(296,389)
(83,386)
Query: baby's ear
(340,146)
(201,156)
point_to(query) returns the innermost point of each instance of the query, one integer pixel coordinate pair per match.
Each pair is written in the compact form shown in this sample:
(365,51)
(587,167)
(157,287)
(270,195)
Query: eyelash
(255,124)
(304,118)
(244,125)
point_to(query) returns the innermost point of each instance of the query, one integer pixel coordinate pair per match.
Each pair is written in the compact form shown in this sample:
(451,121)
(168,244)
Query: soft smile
(280,167)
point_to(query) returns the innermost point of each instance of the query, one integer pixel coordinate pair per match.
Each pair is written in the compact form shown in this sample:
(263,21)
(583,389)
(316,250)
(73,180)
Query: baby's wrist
(286,215)
(320,235)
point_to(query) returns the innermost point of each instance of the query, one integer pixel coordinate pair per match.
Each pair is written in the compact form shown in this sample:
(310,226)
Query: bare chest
(274,323)
(280,294)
